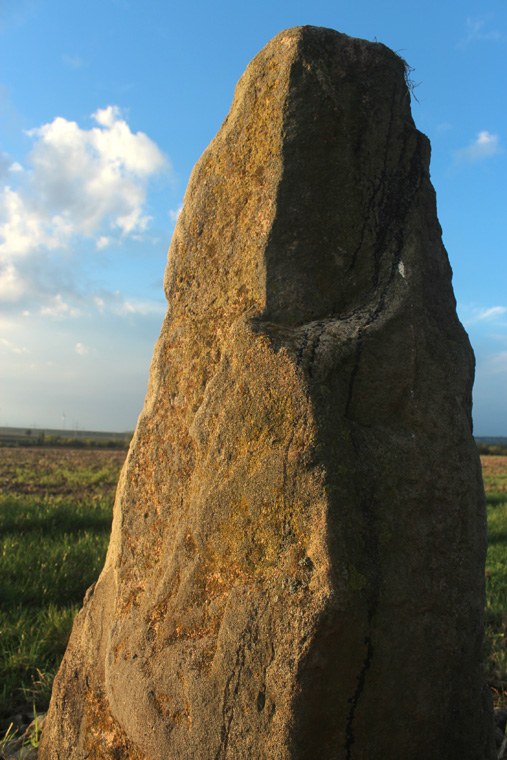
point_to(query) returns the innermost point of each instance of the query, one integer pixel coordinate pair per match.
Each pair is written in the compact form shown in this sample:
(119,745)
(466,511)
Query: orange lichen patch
(198,628)
(159,612)
(133,599)
(203,658)
(118,648)
(185,714)
(104,737)
(169,706)
(216,584)
(149,552)
(153,620)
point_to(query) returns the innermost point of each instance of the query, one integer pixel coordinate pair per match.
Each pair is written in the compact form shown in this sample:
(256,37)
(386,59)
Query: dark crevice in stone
(349,733)
(353,374)
(322,327)
(261,699)
(304,343)
(373,572)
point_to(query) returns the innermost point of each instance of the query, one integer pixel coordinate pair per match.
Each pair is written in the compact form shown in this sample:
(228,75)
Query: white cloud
(485,146)
(11,284)
(493,312)
(478,315)
(25,228)
(106,116)
(73,61)
(126,309)
(116,303)
(477,31)
(103,242)
(174,213)
(81,349)
(96,177)
(77,185)
(138,307)
(13,349)
(58,308)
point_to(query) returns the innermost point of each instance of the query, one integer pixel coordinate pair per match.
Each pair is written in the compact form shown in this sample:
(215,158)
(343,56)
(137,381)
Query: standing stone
(296,566)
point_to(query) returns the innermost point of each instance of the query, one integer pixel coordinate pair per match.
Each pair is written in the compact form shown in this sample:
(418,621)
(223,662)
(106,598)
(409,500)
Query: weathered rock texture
(297,555)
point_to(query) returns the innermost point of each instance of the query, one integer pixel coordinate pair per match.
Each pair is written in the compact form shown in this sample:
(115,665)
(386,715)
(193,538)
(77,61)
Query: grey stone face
(296,565)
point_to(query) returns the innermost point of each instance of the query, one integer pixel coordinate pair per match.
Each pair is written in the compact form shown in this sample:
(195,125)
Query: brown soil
(43,472)
(494,471)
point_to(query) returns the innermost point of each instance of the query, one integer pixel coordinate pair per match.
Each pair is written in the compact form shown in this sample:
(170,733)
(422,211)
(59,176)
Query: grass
(20,746)
(55,516)
(55,519)
(495,645)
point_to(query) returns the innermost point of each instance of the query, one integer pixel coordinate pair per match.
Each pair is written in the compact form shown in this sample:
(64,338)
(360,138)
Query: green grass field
(55,520)
(495,646)
(55,516)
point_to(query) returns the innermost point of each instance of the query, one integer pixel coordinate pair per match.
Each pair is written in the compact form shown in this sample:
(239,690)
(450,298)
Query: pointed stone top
(316,118)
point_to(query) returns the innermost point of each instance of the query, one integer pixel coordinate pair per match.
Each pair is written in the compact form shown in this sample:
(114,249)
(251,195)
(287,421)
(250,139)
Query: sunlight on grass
(55,519)
(495,643)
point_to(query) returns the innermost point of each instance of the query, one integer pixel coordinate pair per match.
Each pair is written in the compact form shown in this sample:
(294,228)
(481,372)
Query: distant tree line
(57,441)
(492,449)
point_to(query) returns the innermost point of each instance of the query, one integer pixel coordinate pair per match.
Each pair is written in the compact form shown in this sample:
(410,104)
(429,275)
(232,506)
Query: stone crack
(229,690)
(350,738)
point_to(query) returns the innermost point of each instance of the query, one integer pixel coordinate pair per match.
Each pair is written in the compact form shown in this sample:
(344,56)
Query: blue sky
(104,109)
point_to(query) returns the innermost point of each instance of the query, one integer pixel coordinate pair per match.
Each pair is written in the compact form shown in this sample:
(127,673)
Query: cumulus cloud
(485,146)
(78,183)
(8,167)
(97,176)
(81,349)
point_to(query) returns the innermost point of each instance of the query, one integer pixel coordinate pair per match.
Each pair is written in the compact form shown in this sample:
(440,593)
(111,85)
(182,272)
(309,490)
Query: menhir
(296,566)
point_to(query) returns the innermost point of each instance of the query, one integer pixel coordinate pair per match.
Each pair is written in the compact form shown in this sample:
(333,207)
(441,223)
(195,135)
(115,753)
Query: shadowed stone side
(296,565)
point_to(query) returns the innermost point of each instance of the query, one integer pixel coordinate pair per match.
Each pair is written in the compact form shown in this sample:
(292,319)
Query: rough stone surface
(296,566)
